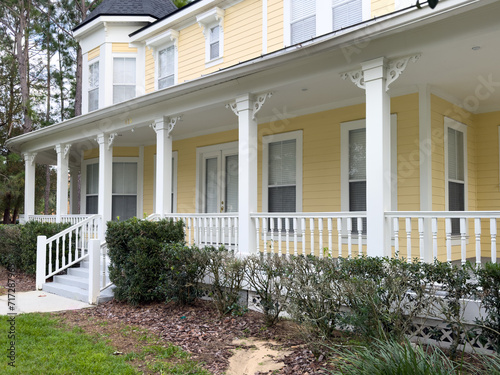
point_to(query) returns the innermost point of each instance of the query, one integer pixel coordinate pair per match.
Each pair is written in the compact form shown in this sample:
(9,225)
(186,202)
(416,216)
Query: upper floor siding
(122,61)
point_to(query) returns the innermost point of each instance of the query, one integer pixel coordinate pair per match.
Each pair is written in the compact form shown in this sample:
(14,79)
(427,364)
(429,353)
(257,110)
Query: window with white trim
(93,89)
(166,67)
(302,20)
(92,189)
(346,13)
(214,42)
(124,79)
(282,172)
(455,143)
(212,23)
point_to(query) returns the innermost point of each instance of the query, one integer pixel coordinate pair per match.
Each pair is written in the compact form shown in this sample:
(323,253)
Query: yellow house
(319,127)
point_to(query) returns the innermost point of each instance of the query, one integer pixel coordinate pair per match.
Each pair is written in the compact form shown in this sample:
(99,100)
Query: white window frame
(207,21)
(127,55)
(324,21)
(345,128)
(453,124)
(140,176)
(201,152)
(157,64)
(174,182)
(89,89)
(161,42)
(266,140)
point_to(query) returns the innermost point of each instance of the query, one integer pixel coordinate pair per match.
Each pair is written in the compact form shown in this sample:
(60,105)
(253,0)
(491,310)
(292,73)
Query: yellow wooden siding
(150,70)
(149,173)
(191,53)
(381,7)
(117,152)
(274,25)
(122,47)
(92,54)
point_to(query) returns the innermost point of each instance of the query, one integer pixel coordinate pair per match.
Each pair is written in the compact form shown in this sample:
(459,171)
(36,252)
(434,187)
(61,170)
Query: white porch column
(378,156)
(163,128)
(62,152)
(29,184)
(246,108)
(73,191)
(105,180)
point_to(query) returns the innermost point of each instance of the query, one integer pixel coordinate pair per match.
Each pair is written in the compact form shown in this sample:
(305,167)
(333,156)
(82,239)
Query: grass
(45,346)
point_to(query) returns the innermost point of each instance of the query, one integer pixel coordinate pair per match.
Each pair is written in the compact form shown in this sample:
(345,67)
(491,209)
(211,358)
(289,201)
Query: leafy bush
(315,295)
(225,274)
(266,275)
(135,249)
(18,244)
(384,296)
(392,358)
(184,268)
(489,294)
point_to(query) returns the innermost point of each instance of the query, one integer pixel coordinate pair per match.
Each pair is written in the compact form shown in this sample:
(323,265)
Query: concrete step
(79,272)
(67,291)
(72,280)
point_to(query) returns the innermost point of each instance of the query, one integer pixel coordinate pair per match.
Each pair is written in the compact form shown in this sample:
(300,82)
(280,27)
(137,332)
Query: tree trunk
(6,212)
(78,95)
(47,36)
(22,56)
(47,190)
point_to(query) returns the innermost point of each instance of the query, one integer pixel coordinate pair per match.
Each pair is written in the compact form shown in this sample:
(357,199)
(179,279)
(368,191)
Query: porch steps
(74,285)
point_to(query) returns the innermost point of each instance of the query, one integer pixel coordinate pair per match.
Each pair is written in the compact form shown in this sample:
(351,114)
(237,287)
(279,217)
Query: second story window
(94,86)
(346,13)
(124,79)
(166,67)
(214,42)
(302,20)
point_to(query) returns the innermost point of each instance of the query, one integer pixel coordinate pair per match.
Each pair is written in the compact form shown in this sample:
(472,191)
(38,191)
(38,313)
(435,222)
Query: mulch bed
(199,330)
(24,283)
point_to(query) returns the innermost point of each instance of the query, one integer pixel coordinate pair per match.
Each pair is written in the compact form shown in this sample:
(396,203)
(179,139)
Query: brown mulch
(23,282)
(197,329)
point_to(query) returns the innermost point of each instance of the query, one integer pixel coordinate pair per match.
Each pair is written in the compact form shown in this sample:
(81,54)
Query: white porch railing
(324,233)
(72,219)
(65,249)
(208,229)
(445,235)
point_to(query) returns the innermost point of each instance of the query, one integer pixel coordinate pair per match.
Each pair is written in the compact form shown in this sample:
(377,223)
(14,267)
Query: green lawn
(44,346)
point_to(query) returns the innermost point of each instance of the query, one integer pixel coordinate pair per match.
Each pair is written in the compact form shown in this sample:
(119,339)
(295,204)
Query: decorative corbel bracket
(111,139)
(172,121)
(396,67)
(169,121)
(205,20)
(257,105)
(233,107)
(30,157)
(356,76)
(66,150)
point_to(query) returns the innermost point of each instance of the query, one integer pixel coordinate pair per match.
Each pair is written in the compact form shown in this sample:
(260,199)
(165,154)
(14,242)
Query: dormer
(112,69)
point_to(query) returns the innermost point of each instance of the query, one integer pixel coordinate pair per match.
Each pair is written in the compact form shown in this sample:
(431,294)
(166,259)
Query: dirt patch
(197,329)
(24,283)
(252,356)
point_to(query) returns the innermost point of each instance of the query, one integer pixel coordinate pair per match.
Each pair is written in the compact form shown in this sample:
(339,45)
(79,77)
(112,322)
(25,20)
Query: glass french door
(220,181)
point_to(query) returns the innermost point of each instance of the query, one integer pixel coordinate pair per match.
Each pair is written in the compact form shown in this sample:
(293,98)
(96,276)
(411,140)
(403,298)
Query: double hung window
(166,67)
(93,92)
(302,20)
(124,79)
(456,162)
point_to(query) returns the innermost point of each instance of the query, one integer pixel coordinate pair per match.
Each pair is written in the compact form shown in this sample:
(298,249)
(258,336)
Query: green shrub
(384,296)
(19,243)
(184,268)
(135,249)
(225,275)
(266,275)
(315,296)
(392,358)
(489,294)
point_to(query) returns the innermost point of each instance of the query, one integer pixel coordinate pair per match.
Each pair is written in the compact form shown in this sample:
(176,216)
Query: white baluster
(264,229)
(421,237)
(434,238)
(477,227)
(463,239)
(257,239)
(493,234)
(360,236)
(50,257)
(280,224)
(63,251)
(295,230)
(349,239)
(395,222)
(217,230)
(330,236)
(447,222)
(271,222)
(339,234)
(320,233)
(287,237)
(303,228)
(188,223)
(236,244)
(408,239)
(311,229)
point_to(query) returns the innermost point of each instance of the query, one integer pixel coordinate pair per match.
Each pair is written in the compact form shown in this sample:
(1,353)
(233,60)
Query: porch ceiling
(450,63)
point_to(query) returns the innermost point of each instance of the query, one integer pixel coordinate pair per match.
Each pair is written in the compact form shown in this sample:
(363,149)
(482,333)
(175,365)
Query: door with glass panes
(220,181)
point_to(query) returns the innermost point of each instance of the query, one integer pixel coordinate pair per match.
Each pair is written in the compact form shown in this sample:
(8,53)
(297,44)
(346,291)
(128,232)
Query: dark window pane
(456,202)
(92,201)
(282,199)
(124,206)
(357,202)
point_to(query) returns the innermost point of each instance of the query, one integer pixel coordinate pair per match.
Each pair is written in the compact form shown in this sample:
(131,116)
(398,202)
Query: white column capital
(29,157)
(374,69)
(166,123)
(106,139)
(63,149)
(249,102)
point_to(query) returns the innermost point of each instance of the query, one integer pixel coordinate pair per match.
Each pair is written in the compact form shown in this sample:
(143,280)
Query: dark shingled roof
(154,8)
